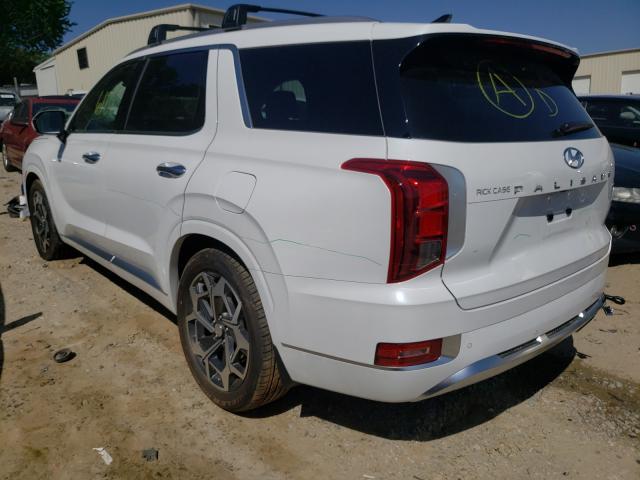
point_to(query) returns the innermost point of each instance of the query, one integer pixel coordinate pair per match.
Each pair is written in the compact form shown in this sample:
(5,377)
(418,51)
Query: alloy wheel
(41,221)
(217,331)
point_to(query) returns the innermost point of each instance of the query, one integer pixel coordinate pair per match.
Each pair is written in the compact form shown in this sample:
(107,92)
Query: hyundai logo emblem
(573,157)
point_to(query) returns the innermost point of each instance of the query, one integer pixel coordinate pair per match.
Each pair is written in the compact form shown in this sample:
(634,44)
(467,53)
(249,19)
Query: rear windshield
(7,100)
(39,107)
(476,89)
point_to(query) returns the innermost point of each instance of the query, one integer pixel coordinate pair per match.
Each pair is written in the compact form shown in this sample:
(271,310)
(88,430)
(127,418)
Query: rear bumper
(332,333)
(495,364)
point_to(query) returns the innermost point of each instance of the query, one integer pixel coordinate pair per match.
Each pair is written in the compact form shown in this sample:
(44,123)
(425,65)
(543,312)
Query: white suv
(390,211)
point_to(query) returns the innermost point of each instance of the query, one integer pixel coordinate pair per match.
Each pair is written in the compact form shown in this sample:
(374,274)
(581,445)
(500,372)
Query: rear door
(171,123)
(529,174)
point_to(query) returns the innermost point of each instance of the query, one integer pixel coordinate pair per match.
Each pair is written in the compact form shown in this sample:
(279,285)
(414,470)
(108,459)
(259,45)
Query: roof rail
(236,15)
(158,34)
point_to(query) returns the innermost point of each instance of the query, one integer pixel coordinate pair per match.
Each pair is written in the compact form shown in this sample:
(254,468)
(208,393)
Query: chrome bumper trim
(495,364)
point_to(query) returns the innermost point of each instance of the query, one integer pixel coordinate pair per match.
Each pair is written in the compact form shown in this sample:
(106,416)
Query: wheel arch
(196,235)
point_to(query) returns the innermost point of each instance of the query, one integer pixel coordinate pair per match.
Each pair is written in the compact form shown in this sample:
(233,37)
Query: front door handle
(171,170)
(91,157)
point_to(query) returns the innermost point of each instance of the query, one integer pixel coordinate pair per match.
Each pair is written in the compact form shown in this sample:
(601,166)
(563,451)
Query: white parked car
(391,211)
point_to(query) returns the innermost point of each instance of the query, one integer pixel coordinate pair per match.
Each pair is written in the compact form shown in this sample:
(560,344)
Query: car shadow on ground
(130,289)
(432,418)
(624,259)
(421,421)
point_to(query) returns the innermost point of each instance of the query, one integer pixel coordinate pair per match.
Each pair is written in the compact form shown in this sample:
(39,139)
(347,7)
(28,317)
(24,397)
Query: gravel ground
(573,412)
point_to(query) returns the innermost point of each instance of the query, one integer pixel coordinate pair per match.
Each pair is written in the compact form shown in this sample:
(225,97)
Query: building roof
(134,16)
(610,52)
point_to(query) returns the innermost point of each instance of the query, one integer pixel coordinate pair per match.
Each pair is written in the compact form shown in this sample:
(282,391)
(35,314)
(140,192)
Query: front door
(78,187)
(171,123)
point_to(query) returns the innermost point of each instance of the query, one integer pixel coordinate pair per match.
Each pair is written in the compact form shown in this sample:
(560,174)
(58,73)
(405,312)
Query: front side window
(328,88)
(106,105)
(171,96)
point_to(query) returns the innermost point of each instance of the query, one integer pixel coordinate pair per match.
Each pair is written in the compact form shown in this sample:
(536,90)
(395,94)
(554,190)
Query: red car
(17,132)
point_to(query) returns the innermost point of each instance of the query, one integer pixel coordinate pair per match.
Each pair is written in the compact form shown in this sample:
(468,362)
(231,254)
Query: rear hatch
(529,174)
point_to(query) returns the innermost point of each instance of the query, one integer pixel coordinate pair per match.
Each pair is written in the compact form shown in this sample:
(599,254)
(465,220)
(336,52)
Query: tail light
(419,214)
(408,354)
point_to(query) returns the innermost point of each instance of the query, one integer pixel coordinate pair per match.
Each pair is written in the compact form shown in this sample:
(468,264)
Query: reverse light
(419,214)
(408,354)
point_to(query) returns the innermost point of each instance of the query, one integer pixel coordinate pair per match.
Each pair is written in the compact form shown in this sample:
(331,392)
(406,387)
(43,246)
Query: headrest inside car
(281,106)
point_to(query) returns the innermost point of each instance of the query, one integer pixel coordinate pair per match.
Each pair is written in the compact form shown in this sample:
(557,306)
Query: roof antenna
(446,18)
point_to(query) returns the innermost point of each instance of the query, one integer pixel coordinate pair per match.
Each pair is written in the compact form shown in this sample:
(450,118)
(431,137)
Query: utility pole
(16,86)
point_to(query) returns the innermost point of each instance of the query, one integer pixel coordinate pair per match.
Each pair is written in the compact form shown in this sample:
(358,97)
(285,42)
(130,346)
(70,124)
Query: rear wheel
(45,234)
(5,160)
(224,333)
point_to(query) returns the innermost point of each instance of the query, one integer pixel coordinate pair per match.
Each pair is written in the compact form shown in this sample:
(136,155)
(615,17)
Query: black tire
(45,234)
(206,275)
(5,160)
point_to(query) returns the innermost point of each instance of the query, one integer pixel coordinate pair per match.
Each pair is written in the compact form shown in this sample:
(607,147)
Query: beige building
(609,73)
(78,64)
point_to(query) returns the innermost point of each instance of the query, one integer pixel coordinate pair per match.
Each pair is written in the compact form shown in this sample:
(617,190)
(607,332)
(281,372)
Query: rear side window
(327,88)
(171,96)
(614,113)
(476,89)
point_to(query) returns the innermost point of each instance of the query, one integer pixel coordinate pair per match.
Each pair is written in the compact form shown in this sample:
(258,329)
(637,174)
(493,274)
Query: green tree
(29,31)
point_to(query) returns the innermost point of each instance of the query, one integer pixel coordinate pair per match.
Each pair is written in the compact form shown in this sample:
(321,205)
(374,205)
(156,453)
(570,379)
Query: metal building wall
(606,70)
(114,41)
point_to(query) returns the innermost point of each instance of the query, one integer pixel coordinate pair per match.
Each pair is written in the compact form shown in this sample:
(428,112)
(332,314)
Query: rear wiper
(571,127)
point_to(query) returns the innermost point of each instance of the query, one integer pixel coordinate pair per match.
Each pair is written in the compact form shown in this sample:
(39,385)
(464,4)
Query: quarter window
(171,96)
(105,107)
(325,87)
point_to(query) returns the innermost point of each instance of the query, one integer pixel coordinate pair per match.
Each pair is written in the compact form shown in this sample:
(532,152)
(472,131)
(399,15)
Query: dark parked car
(624,215)
(8,100)
(617,117)
(17,131)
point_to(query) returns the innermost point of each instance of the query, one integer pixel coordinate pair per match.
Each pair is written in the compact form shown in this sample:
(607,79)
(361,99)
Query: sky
(589,25)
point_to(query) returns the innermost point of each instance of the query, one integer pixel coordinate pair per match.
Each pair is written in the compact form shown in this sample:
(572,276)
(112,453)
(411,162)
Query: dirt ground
(571,413)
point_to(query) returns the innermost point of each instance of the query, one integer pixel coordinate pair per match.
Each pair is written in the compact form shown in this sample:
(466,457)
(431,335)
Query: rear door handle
(91,157)
(171,170)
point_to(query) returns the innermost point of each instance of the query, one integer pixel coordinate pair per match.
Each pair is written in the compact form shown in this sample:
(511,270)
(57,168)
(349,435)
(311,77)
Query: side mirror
(50,122)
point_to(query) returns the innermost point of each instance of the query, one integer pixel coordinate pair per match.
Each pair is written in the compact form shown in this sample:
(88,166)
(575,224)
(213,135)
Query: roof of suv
(318,30)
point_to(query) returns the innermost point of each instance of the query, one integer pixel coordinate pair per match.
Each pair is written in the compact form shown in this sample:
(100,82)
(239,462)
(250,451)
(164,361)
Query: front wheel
(224,333)
(5,160)
(45,234)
